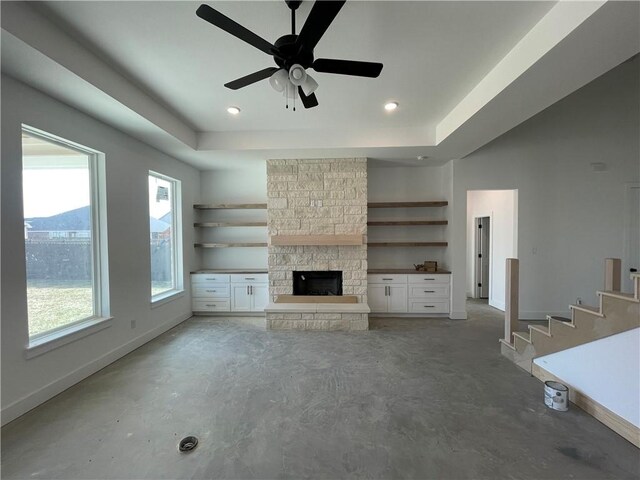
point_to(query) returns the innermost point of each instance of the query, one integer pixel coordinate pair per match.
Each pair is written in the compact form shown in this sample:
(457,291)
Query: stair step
(623,296)
(541,329)
(507,344)
(588,309)
(553,319)
(526,336)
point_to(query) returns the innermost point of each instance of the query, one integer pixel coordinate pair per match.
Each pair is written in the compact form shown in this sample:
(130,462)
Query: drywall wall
(245,183)
(570,216)
(605,370)
(407,184)
(501,207)
(28,382)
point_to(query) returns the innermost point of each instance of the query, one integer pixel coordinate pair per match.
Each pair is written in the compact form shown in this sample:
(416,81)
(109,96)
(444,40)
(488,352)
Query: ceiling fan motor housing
(289,53)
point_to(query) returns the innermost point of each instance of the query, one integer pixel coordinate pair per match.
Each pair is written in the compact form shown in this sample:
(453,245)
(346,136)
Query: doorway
(483,257)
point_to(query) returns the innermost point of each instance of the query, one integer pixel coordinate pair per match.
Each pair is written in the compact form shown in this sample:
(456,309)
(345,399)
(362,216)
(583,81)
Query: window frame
(177,261)
(44,341)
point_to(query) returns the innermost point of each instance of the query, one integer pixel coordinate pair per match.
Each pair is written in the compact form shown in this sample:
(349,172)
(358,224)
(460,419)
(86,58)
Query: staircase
(617,312)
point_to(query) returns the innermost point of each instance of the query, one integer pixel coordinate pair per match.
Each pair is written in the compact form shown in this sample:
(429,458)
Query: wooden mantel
(282,240)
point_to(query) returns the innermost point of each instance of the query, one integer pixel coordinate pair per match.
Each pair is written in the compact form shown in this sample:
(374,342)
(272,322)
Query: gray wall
(570,218)
(26,383)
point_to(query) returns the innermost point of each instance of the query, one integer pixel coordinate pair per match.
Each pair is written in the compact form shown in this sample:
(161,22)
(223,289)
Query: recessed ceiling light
(389,107)
(233,110)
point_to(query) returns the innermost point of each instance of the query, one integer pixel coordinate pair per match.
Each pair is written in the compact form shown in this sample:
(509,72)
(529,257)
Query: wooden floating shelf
(443,203)
(291,240)
(227,245)
(406,222)
(407,244)
(234,206)
(229,224)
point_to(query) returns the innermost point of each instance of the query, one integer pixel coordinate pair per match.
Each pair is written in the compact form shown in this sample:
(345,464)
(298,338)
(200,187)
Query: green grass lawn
(53,307)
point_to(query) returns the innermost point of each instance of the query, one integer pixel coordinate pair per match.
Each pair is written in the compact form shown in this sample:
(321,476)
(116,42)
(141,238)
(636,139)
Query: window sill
(57,339)
(166,297)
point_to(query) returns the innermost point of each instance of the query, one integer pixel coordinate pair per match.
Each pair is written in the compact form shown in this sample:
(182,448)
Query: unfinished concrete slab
(407,399)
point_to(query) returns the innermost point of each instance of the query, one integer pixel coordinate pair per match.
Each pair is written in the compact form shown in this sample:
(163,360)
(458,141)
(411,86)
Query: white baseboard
(28,402)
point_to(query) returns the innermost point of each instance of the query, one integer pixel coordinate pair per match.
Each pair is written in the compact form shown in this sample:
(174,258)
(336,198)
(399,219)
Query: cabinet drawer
(387,279)
(427,307)
(426,278)
(429,291)
(249,277)
(210,277)
(210,290)
(211,305)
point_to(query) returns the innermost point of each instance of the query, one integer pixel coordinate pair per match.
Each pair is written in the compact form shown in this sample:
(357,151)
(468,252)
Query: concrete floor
(409,399)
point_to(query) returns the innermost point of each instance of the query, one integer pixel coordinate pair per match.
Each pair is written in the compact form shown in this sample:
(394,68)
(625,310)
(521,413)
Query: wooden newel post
(612,274)
(512,289)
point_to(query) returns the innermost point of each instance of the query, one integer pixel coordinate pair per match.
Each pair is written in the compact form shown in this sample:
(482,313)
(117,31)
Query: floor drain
(187,444)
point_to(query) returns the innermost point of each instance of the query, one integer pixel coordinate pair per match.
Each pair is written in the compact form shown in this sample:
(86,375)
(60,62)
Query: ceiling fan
(293,54)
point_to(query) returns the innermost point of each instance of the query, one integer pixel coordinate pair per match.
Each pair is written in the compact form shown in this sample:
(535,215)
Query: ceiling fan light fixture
(297,75)
(233,110)
(309,85)
(279,80)
(391,106)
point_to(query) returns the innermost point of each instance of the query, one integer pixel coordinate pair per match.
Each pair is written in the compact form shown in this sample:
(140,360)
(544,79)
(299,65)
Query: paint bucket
(556,396)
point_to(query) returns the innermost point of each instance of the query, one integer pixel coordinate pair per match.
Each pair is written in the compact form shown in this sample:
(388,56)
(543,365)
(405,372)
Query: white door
(377,298)
(240,298)
(631,258)
(259,297)
(397,298)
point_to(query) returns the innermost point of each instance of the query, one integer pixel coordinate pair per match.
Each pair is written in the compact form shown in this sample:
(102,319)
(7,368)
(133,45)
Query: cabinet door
(377,298)
(240,298)
(259,297)
(398,299)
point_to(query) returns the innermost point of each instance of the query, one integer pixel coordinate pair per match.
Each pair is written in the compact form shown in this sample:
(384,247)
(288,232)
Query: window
(165,237)
(62,234)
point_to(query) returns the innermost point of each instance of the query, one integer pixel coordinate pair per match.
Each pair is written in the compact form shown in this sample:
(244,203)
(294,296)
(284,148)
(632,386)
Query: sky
(51,191)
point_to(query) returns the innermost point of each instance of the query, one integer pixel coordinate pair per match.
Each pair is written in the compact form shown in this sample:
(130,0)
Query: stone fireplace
(325,198)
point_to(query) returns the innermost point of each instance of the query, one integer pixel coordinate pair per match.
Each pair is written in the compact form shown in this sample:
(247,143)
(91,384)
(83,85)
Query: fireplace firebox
(317,283)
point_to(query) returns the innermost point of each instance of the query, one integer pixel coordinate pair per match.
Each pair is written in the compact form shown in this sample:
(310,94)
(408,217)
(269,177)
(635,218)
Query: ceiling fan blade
(309,101)
(251,78)
(322,14)
(225,23)
(347,67)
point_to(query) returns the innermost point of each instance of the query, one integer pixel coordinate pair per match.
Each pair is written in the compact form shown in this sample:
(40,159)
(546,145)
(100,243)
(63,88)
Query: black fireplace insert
(317,283)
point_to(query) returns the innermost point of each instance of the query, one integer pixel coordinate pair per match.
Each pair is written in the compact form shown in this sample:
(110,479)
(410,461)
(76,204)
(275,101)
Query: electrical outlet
(133,324)
(319,203)
(578,301)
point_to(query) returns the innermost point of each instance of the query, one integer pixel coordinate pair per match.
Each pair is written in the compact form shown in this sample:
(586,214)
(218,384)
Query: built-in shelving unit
(407,222)
(442,203)
(407,244)
(230,206)
(227,245)
(227,223)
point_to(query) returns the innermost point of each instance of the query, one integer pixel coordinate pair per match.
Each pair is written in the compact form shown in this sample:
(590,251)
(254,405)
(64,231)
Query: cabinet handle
(429,291)
(249,278)
(250,289)
(429,306)
(211,304)
(212,278)
(387,279)
(247,289)
(210,291)
(428,278)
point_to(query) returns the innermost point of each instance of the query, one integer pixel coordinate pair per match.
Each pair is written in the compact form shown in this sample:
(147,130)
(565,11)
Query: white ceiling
(433,53)
(463,72)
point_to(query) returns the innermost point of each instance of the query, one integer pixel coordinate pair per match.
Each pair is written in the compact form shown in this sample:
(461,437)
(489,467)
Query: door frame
(626,250)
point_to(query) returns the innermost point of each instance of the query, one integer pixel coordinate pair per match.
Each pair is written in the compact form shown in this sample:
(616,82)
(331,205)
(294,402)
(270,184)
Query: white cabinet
(429,293)
(421,293)
(249,293)
(229,292)
(387,294)
(210,292)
